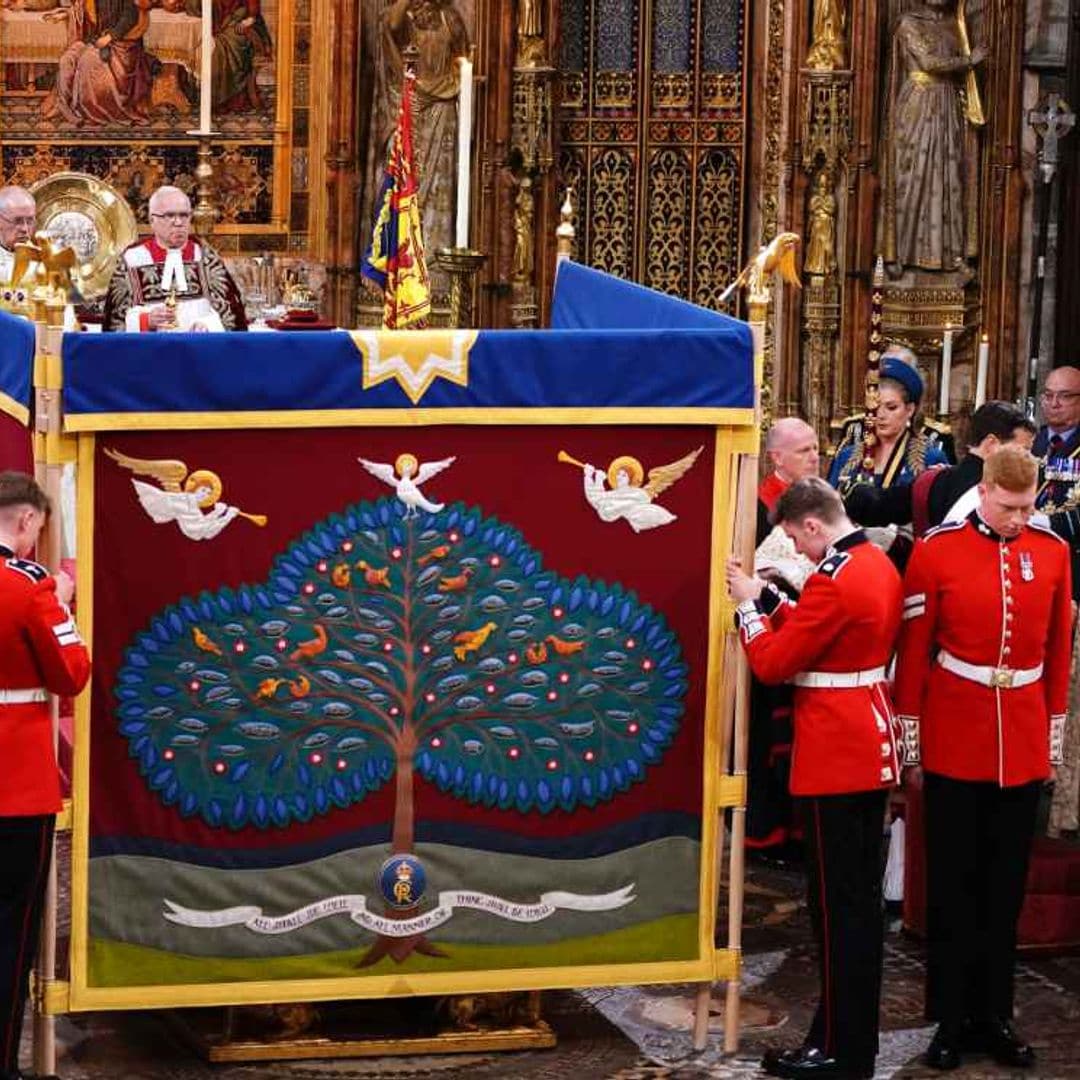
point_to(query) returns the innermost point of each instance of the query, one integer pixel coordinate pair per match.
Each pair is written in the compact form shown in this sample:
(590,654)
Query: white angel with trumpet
(623,491)
(191,499)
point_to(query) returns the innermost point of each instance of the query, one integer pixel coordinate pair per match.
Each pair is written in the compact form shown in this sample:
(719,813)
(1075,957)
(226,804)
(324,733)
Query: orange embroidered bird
(340,576)
(471,640)
(536,652)
(204,643)
(439,552)
(564,648)
(300,686)
(456,584)
(375,576)
(269,687)
(307,649)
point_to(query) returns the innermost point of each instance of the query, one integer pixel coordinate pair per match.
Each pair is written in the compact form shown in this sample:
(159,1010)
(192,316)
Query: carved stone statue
(928,218)
(827,46)
(438,31)
(821,250)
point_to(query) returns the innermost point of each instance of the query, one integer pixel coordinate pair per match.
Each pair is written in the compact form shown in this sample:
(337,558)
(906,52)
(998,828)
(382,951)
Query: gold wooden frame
(710,963)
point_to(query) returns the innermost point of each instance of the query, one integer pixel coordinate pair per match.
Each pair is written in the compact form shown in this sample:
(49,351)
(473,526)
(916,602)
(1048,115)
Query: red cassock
(40,651)
(834,645)
(983,668)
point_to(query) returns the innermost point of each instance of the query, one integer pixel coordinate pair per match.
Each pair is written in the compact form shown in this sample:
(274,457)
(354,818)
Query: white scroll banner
(355,906)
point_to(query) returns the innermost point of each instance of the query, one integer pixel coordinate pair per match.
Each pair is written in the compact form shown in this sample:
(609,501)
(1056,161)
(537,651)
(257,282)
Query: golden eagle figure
(776,256)
(56,264)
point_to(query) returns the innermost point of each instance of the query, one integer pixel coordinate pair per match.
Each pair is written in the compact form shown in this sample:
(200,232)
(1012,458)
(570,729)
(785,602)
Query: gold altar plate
(91,216)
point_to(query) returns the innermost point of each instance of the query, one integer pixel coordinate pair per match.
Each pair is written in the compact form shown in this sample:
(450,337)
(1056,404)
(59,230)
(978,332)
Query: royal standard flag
(395,260)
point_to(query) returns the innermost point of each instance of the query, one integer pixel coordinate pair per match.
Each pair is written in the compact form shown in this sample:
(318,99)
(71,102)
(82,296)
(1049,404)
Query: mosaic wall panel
(652,127)
(111,88)
(136,169)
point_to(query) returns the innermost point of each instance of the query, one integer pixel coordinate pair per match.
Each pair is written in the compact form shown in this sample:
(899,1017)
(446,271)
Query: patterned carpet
(635,1033)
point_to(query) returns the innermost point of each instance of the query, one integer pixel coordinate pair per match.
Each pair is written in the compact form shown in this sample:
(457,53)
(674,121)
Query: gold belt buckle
(1002,678)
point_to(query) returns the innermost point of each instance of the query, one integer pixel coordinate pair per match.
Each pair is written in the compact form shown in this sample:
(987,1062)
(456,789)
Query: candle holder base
(462,265)
(204,214)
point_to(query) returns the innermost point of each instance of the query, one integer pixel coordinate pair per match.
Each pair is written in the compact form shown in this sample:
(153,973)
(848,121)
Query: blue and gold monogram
(402,881)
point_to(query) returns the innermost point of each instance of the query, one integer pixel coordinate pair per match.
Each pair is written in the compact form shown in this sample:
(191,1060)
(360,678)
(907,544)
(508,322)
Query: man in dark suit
(1058,440)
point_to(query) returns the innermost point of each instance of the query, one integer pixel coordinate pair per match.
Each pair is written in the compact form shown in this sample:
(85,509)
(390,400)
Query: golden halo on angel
(210,483)
(406,464)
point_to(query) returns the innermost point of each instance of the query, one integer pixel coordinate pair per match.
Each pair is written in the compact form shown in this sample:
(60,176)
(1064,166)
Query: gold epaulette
(942,427)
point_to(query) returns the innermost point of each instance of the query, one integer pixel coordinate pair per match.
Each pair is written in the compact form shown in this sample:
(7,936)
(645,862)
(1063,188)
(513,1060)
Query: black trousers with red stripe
(978,844)
(25,850)
(844,840)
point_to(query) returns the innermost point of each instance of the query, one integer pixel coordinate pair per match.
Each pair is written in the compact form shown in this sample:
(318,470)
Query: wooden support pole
(49,469)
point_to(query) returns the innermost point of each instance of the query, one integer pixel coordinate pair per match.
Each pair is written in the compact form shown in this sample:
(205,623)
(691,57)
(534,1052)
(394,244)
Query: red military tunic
(997,604)
(40,650)
(846,621)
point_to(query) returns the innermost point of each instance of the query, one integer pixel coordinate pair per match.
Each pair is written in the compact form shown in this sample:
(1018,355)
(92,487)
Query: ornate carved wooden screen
(652,127)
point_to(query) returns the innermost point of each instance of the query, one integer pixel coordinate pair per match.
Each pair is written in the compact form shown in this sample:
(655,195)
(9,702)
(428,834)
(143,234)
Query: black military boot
(943,1053)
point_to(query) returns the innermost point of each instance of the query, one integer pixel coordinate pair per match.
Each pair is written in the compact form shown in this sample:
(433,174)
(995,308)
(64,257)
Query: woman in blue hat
(905,446)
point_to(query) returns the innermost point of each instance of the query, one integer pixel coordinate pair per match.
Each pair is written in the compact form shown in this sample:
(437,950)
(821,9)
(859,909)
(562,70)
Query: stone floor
(624,1033)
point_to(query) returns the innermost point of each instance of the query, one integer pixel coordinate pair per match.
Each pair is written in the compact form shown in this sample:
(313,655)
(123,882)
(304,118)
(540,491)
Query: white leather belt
(23,697)
(998,678)
(839,680)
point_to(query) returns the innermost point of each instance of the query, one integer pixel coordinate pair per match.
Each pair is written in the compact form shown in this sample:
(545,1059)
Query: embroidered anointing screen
(406,659)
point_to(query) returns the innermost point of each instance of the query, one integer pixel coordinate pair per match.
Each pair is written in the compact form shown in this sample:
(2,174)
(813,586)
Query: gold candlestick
(462,265)
(204,213)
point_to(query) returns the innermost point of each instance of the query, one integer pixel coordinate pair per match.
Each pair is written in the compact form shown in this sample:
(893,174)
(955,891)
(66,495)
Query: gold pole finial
(873,372)
(565,233)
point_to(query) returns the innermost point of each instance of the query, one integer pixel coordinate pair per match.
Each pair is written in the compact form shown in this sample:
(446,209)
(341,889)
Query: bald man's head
(1061,398)
(170,216)
(792,449)
(18,216)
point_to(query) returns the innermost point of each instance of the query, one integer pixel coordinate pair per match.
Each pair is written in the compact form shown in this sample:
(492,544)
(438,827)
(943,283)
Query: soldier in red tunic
(41,653)
(834,646)
(982,679)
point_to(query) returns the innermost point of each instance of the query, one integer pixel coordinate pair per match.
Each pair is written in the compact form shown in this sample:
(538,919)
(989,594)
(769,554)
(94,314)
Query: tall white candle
(981,370)
(205,69)
(461,233)
(946,371)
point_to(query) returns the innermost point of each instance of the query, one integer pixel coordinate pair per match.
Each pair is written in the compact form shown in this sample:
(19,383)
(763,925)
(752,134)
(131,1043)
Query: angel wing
(384,472)
(663,476)
(433,468)
(169,474)
(162,506)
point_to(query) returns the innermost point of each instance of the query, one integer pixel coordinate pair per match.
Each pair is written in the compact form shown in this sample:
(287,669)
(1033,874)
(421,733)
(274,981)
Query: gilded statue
(821,250)
(928,217)
(827,46)
(437,30)
(529,19)
(523,231)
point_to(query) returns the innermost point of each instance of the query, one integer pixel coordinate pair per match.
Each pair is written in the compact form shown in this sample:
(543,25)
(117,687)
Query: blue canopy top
(587,299)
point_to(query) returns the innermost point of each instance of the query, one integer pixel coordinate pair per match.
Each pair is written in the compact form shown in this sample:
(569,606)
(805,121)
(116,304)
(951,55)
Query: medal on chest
(1027,566)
